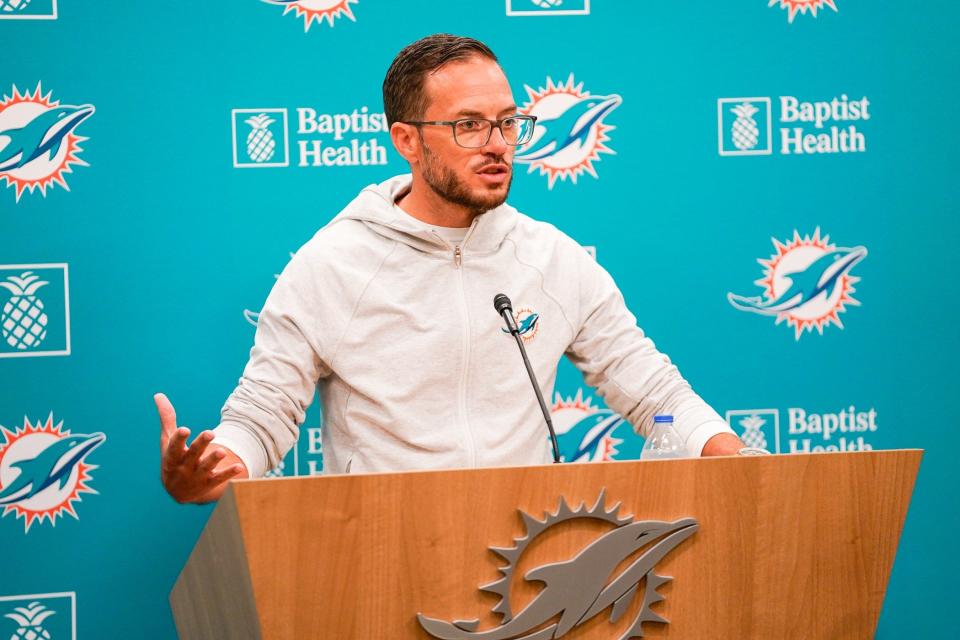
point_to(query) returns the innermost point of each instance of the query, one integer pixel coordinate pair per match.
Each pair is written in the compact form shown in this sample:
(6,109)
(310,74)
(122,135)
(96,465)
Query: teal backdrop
(176,153)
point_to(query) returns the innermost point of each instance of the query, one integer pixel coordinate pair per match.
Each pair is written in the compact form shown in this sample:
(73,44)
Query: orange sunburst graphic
(43,472)
(317,10)
(794,7)
(806,283)
(570,133)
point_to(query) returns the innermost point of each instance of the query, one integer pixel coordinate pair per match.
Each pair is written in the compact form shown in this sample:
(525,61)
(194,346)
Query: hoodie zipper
(462,391)
(468,439)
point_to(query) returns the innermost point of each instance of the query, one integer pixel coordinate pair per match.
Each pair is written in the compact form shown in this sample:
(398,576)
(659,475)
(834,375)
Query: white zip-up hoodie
(415,371)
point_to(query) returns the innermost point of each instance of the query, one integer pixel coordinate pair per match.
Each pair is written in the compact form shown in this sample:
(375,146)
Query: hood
(374,207)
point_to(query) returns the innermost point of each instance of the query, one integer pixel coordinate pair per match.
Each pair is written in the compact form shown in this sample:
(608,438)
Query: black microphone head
(501,302)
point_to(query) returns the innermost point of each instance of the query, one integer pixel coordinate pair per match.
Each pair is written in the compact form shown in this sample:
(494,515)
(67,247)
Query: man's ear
(406,139)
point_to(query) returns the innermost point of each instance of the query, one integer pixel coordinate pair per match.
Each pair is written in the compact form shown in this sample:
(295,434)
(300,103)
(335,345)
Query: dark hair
(403,94)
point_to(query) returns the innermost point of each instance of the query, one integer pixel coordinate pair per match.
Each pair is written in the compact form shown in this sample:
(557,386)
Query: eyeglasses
(473,133)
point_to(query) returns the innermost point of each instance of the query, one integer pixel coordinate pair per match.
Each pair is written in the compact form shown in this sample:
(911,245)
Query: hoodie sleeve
(260,420)
(632,376)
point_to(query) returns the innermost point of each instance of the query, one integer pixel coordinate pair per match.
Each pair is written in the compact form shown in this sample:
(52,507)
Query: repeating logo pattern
(744,126)
(589,433)
(571,131)
(28,9)
(35,315)
(806,283)
(794,7)
(258,136)
(43,470)
(317,10)
(39,616)
(548,7)
(38,140)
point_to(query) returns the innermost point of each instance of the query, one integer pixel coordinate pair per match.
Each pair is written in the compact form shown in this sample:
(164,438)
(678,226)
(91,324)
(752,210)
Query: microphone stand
(506,311)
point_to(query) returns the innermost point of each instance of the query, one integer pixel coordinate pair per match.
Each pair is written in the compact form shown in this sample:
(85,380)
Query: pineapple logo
(28,9)
(35,318)
(745,132)
(317,10)
(43,470)
(794,7)
(756,427)
(752,436)
(262,135)
(23,322)
(806,283)
(38,140)
(260,143)
(570,133)
(30,620)
(744,126)
(38,616)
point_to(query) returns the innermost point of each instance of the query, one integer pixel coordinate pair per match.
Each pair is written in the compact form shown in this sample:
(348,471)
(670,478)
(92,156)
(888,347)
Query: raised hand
(198,473)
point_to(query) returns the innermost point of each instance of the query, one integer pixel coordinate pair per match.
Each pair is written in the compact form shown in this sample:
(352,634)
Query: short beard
(446,184)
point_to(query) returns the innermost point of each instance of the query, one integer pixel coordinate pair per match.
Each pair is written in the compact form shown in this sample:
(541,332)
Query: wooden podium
(785,546)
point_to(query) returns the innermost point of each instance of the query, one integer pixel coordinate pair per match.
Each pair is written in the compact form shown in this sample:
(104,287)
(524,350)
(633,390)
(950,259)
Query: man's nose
(496,144)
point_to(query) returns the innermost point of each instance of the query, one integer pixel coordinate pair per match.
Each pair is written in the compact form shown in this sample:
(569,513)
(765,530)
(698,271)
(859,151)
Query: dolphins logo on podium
(578,589)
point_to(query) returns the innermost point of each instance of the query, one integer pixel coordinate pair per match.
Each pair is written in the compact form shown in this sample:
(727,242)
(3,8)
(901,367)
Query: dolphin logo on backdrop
(43,470)
(317,10)
(578,589)
(807,283)
(38,140)
(589,433)
(570,132)
(794,7)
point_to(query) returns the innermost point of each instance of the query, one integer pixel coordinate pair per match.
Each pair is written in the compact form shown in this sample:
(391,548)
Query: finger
(176,447)
(197,448)
(222,475)
(209,461)
(168,417)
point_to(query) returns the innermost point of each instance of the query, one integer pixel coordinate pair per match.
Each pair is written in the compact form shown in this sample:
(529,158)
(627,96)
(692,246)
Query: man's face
(478,179)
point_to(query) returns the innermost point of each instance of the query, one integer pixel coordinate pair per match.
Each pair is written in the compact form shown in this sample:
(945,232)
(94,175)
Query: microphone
(503,306)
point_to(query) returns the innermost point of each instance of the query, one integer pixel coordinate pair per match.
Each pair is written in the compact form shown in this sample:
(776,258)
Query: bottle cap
(663,418)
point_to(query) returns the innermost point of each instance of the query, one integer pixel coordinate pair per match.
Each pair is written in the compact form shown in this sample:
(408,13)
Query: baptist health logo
(39,616)
(807,431)
(806,283)
(38,140)
(28,9)
(35,314)
(548,7)
(745,126)
(43,470)
(570,133)
(261,138)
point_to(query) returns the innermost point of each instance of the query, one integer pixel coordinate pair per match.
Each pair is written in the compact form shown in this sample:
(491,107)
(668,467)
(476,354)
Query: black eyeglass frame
(493,124)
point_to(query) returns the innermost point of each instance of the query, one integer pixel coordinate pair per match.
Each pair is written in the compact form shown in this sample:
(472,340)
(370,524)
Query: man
(389,310)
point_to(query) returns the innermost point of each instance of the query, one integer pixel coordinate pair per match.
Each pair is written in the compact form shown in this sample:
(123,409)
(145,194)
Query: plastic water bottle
(664,442)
